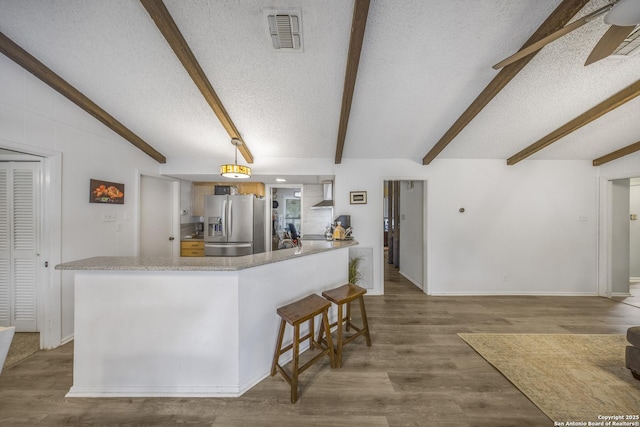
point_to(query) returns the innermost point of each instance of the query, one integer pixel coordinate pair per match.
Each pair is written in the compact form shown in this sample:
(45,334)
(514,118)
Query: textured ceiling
(422,64)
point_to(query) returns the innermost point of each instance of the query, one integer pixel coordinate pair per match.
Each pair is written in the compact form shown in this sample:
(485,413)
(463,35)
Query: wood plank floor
(417,373)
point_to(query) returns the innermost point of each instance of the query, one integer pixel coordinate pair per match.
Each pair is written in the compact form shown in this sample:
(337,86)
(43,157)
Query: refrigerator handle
(230,217)
(224,219)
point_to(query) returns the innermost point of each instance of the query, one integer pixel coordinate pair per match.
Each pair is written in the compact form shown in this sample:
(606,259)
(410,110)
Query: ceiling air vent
(285,28)
(630,45)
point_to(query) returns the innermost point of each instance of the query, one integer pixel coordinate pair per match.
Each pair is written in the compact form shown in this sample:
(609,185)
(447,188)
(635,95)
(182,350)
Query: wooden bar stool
(294,314)
(341,296)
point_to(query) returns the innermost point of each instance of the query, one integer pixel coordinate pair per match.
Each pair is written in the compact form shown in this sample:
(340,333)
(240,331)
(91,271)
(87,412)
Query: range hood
(327,194)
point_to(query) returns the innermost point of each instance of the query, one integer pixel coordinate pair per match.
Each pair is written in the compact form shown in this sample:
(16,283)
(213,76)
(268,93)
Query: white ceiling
(422,64)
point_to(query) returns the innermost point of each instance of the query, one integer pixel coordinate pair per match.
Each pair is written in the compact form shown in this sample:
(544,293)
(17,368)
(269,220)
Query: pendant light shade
(235,170)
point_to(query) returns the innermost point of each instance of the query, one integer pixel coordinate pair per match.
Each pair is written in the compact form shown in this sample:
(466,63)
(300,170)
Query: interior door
(19,245)
(156,217)
(5,247)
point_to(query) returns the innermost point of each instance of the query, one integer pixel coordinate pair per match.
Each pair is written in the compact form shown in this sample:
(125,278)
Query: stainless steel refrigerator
(234,225)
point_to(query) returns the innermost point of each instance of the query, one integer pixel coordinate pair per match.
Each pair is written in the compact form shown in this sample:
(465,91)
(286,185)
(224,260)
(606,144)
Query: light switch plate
(108,216)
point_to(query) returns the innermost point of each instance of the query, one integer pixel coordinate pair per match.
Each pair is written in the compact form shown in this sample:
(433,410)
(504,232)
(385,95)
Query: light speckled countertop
(132,263)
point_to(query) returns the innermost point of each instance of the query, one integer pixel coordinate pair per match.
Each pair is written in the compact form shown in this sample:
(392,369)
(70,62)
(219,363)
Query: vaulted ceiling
(422,63)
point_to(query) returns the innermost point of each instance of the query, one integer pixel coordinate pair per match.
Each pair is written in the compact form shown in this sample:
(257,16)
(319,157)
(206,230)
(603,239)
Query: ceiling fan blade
(551,37)
(608,43)
(624,13)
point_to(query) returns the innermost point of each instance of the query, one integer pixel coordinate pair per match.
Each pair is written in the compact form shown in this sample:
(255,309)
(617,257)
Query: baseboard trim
(409,278)
(66,339)
(124,391)
(515,294)
(620,294)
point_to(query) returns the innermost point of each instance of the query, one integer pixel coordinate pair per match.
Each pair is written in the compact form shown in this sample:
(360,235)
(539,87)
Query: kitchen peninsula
(197,327)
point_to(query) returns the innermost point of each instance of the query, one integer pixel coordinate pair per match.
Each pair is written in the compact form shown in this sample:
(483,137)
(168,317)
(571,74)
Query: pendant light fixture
(235,170)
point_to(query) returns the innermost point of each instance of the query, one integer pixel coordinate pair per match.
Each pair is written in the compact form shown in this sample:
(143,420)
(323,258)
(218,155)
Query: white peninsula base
(188,333)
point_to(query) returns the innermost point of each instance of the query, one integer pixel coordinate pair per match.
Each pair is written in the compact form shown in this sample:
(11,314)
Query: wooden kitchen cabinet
(256,188)
(202,189)
(192,248)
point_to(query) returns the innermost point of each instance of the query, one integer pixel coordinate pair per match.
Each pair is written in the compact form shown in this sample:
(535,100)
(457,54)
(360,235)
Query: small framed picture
(358,197)
(106,192)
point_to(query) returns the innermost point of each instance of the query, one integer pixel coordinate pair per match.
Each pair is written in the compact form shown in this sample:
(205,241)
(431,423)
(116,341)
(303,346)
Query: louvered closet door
(18,264)
(5,245)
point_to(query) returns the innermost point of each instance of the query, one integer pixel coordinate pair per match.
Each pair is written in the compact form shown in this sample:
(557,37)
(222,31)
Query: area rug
(574,379)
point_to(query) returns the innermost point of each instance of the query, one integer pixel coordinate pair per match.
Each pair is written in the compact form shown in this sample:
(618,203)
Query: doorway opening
(625,245)
(404,229)
(48,226)
(619,236)
(286,215)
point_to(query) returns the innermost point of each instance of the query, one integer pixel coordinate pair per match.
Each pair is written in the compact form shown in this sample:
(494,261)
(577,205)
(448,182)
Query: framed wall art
(106,192)
(358,197)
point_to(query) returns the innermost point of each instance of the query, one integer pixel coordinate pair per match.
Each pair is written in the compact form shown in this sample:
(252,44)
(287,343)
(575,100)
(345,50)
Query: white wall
(625,167)
(33,117)
(522,221)
(186,204)
(412,257)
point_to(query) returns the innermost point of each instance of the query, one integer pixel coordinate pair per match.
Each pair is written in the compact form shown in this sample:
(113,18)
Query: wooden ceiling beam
(42,72)
(609,104)
(617,154)
(558,19)
(358,25)
(167,26)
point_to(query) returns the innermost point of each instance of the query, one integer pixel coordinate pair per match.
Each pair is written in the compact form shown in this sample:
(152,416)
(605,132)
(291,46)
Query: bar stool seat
(341,296)
(295,314)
